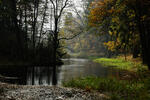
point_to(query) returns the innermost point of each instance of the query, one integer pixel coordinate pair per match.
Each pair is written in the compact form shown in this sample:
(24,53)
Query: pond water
(72,68)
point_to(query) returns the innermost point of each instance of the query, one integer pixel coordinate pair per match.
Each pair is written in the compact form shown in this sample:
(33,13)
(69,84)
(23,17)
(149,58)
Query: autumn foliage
(126,21)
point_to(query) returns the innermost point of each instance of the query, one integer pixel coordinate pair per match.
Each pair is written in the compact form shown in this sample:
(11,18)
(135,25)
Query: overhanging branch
(65,38)
(62,8)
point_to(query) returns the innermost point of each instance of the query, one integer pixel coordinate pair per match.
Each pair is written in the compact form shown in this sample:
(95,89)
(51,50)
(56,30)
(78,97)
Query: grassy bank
(136,88)
(120,63)
(113,88)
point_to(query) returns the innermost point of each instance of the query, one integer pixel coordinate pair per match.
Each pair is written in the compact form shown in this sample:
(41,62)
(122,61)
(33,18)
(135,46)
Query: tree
(23,32)
(116,19)
(127,24)
(58,8)
(10,30)
(142,7)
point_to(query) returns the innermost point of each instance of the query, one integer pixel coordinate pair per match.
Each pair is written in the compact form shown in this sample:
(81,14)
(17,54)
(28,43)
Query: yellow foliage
(98,12)
(110,33)
(110,45)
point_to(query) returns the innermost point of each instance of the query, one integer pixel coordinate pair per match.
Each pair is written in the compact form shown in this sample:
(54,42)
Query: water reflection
(39,76)
(72,68)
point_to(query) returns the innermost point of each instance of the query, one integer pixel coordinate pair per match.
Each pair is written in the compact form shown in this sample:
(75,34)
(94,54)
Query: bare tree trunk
(26,27)
(35,15)
(41,30)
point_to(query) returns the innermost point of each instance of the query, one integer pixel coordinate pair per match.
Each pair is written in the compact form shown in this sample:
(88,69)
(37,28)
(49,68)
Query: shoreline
(29,92)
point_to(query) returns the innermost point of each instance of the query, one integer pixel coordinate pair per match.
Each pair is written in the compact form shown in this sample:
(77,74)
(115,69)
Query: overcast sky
(77,4)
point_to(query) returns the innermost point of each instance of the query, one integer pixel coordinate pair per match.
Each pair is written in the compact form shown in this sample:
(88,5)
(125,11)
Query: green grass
(136,88)
(115,89)
(119,63)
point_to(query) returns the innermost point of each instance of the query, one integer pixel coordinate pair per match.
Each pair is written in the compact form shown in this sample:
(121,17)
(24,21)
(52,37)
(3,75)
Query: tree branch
(65,38)
(76,11)
(53,7)
(62,8)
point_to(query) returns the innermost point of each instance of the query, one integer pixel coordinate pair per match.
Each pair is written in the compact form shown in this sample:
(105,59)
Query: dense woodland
(42,31)
(111,27)
(29,31)
(127,22)
(101,47)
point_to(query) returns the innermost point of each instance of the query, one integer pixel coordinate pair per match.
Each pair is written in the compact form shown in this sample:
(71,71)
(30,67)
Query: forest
(92,45)
(29,31)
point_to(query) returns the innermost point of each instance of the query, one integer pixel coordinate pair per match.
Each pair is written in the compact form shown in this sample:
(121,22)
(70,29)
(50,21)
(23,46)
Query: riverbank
(133,85)
(20,92)
(11,63)
(130,64)
(113,88)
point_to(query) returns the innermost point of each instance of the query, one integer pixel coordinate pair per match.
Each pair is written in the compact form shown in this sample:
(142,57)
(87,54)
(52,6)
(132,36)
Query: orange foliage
(113,45)
(99,11)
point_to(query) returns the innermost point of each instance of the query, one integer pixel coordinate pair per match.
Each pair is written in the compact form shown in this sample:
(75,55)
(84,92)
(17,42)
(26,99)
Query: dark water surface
(72,68)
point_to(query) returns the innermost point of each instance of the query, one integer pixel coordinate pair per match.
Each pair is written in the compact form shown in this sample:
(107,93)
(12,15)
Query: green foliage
(116,89)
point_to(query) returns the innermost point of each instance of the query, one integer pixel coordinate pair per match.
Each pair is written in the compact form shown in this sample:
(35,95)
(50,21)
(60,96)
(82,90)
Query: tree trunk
(144,33)
(26,33)
(135,51)
(55,45)
(16,29)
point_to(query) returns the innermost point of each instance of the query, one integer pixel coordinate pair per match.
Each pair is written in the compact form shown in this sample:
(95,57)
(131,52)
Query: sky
(77,4)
